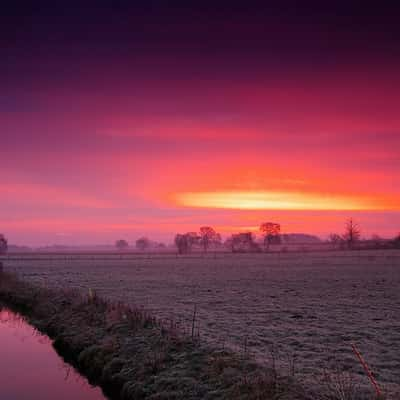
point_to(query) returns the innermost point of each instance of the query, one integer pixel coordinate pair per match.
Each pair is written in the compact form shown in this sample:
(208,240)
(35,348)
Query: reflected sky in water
(32,370)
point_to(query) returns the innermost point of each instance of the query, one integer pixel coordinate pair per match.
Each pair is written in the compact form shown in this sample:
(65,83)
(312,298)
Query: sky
(122,119)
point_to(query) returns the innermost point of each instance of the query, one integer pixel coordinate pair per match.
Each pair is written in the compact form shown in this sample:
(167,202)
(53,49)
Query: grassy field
(133,356)
(303,310)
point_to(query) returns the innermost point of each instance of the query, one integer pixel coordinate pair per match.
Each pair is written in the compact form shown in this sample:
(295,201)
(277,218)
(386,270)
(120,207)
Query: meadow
(302,311)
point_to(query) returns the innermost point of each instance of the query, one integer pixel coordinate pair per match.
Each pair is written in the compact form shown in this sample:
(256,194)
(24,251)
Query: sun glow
(271,200)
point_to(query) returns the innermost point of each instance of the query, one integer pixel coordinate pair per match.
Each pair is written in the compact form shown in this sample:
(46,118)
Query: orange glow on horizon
(274,200)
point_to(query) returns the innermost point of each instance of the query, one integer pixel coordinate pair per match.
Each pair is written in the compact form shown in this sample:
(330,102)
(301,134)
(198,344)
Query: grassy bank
(132,355)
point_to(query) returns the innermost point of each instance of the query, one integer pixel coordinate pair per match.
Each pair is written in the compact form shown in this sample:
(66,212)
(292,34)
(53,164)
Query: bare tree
(271,232)
(3,248)
(352,233)
(243,242)
(3,244)
(184,242)
(336,240)
(193,239)
(209,237)
(121,244)
(142,244)
(181,243)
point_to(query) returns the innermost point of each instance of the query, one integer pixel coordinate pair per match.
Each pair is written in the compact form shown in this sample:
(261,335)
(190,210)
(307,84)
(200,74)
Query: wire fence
(375,256)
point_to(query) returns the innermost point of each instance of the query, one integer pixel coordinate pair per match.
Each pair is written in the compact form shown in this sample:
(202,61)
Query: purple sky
(117,117)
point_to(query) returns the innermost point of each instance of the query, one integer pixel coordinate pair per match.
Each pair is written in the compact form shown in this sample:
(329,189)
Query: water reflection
(32,370)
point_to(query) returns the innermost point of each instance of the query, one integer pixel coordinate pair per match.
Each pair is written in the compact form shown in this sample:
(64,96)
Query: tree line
(208,238)
(141,244)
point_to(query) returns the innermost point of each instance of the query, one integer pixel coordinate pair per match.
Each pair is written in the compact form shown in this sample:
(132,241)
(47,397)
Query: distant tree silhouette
(193,239)
(352,233)
(396,241)
(209,237)
(3,244)
(336,240)
(3,248)
(181,243)
(271,232)
(228,243)
(121,244)
(377,241)
(243,242)
(142,244)
(160,245)
(185,242)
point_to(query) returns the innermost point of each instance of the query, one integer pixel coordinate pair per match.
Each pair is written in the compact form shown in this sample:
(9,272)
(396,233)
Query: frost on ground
(303,310)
